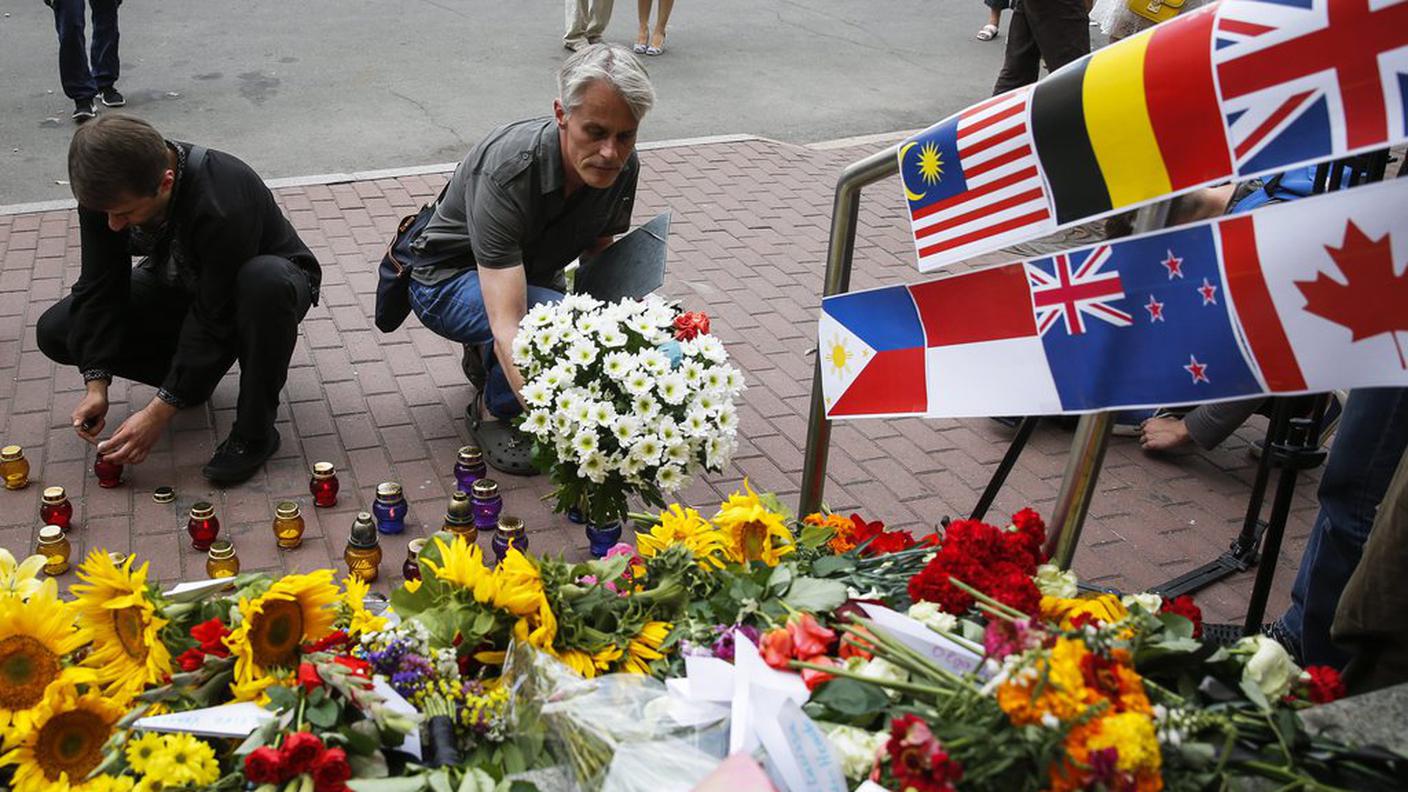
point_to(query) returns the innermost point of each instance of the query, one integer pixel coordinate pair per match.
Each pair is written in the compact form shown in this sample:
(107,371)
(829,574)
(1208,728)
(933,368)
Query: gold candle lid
(363,531)
(12,452)
(50,534)
(416,545)
(54,495)
(163,495)
(388,490)
(322,470)
(287,510)
(486,488)
(221,549)
(118,559)
(460,511)
(202,511)
(470,455)
(510,525)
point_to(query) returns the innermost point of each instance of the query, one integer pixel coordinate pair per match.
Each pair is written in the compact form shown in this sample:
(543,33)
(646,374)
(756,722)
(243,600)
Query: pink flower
(808,636)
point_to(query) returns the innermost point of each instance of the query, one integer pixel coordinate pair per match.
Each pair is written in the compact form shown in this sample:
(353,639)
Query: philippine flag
(871,346)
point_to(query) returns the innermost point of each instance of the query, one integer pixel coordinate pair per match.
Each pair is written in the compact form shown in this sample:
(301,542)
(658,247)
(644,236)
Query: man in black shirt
(223,277)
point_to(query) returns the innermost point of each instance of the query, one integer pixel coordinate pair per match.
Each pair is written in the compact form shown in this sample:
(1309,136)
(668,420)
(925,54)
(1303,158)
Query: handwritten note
(227,720)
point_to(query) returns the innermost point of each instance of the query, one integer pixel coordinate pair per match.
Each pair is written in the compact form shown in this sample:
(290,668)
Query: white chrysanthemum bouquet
(628,397)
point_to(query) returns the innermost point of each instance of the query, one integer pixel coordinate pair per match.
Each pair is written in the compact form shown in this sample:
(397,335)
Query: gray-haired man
(530,198)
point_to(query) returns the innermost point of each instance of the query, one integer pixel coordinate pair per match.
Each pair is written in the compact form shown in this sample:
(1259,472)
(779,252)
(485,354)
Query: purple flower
(723,645)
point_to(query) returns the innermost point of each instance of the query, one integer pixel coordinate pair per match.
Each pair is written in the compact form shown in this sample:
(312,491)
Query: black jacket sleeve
(100,296)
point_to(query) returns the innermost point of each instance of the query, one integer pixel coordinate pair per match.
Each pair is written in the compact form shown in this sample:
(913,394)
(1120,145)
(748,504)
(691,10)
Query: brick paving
(748,245)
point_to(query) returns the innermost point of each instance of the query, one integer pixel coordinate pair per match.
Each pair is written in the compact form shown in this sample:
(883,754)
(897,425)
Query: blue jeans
(455,309)
(1367,447)
(78,80)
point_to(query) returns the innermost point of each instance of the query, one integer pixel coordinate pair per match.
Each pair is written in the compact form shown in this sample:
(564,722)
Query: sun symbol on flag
(931,164)
(840,357)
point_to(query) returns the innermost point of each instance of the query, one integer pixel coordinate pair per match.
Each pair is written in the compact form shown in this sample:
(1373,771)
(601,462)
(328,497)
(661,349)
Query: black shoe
(84,109)
(473,365)
(112,97)
(237,459)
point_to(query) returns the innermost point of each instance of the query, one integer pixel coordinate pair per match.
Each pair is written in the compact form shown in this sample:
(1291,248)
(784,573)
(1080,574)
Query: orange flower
(776,648)
(808,636)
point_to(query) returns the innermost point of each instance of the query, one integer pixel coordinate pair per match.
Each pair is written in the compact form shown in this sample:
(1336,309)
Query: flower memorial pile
(540,665)
(626,398)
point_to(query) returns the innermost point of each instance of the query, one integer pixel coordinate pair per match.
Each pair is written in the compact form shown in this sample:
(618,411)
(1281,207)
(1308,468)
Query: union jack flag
(1072,291)
(1302,80)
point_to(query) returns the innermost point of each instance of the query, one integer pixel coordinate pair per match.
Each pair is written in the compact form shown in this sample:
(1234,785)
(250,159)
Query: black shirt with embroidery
(221,215)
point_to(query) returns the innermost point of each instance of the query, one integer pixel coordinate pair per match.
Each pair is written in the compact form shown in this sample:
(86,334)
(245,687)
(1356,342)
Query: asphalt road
(302,87)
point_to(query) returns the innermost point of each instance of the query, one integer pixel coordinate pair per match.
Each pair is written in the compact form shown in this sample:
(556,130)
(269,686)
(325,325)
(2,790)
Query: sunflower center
(130,627)
(26,668)
(754,535)
(71,742)
(274,634)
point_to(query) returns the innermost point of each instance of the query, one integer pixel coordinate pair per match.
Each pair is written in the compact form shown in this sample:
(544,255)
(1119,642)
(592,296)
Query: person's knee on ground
(264,292)
(51,333)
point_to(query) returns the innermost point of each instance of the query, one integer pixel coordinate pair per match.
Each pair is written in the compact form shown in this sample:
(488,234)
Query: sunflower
(680,525)
(539,629)
(753,533)
(645,647)
(183,760)
(354,596)
(462,565)
(297,608)
(122,621)
(519,585)
(34,637)
(20,579)
(64,741)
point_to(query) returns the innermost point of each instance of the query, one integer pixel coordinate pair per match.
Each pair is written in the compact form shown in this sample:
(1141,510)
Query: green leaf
(323,715)
(814,536)
(373,766)
(814,595)
(826,566)
(1252,692)
(779,580)
(440,780)
(851,697)
(282,697)
(362,737)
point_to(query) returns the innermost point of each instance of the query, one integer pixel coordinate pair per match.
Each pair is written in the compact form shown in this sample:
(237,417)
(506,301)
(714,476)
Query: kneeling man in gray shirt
(530,198)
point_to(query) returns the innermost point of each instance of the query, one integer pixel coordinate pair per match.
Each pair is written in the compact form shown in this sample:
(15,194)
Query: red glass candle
(203,527)
(109,473)
(56,510)
(323,485)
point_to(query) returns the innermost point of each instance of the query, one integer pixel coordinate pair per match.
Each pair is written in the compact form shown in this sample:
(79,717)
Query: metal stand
(999,477)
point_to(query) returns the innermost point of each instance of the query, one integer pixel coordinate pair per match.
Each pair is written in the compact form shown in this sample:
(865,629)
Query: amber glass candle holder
(363,553)
(55,509)
(14,467)
(459,518)
(288,525)
(323,486)
(222,561)
(54,546)
(203,526)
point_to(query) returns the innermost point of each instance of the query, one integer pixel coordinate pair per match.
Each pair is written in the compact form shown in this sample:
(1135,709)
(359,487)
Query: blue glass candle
(601,538)
(487,505)
(509,533)
(389,508)
(469,468)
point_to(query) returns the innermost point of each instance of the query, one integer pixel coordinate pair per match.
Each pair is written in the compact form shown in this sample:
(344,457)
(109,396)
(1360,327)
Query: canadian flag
(1320,289)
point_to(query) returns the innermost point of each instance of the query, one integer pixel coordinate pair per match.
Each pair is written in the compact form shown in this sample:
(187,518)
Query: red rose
(776,648)
(812,677)
(190,660)
(330,770)
(1324,684)
(1185,607)
(265,766)
(308,677)
(209,634)
(299,751)
(690,324)
(808,636)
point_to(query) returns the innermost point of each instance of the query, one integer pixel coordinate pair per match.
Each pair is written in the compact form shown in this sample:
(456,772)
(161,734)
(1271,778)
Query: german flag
(1134,121)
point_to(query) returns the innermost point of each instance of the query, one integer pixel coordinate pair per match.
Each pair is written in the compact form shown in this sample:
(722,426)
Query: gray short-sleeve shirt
(504,206)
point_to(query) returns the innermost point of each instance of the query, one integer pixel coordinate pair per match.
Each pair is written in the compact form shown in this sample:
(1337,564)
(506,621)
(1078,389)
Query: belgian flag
(1134,121)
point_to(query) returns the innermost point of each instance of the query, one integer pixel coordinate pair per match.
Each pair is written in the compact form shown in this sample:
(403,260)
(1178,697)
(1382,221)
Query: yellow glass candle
(288,525)
(363,553)
(221,560)
(54,546)
(14,467)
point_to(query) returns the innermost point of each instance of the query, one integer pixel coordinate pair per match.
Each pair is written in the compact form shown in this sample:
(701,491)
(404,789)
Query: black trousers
(1055,31)
(81,76)
(271,297)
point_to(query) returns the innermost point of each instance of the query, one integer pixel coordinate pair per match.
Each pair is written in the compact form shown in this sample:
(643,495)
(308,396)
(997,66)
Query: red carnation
(330,770)
(190,660)
(332,640)
(209,634)
(1015,589)
(1185,607)
(264,766)
(308,677)
(690,324)
(1324,684)
(299,750)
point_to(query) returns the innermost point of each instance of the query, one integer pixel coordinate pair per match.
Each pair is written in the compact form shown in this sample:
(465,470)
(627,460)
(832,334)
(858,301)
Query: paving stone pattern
(748,245)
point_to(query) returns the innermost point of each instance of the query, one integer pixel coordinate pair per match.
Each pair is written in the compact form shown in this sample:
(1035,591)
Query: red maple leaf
(1371,300)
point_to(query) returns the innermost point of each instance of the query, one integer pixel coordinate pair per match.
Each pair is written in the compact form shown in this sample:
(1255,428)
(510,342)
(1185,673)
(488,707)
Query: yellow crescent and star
(930,164)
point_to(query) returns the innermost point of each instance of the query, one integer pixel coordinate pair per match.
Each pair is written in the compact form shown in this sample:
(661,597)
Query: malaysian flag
(972,182)
(1312,79)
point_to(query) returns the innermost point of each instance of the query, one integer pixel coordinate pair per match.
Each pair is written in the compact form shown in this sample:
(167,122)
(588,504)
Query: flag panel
(985,305)
(1007,377)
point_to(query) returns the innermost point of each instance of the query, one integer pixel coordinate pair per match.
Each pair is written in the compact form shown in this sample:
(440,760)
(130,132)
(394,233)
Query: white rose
(929,615)
(1270,667)
(1151,603)
(1052,581)
(882,670)
(856,749)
